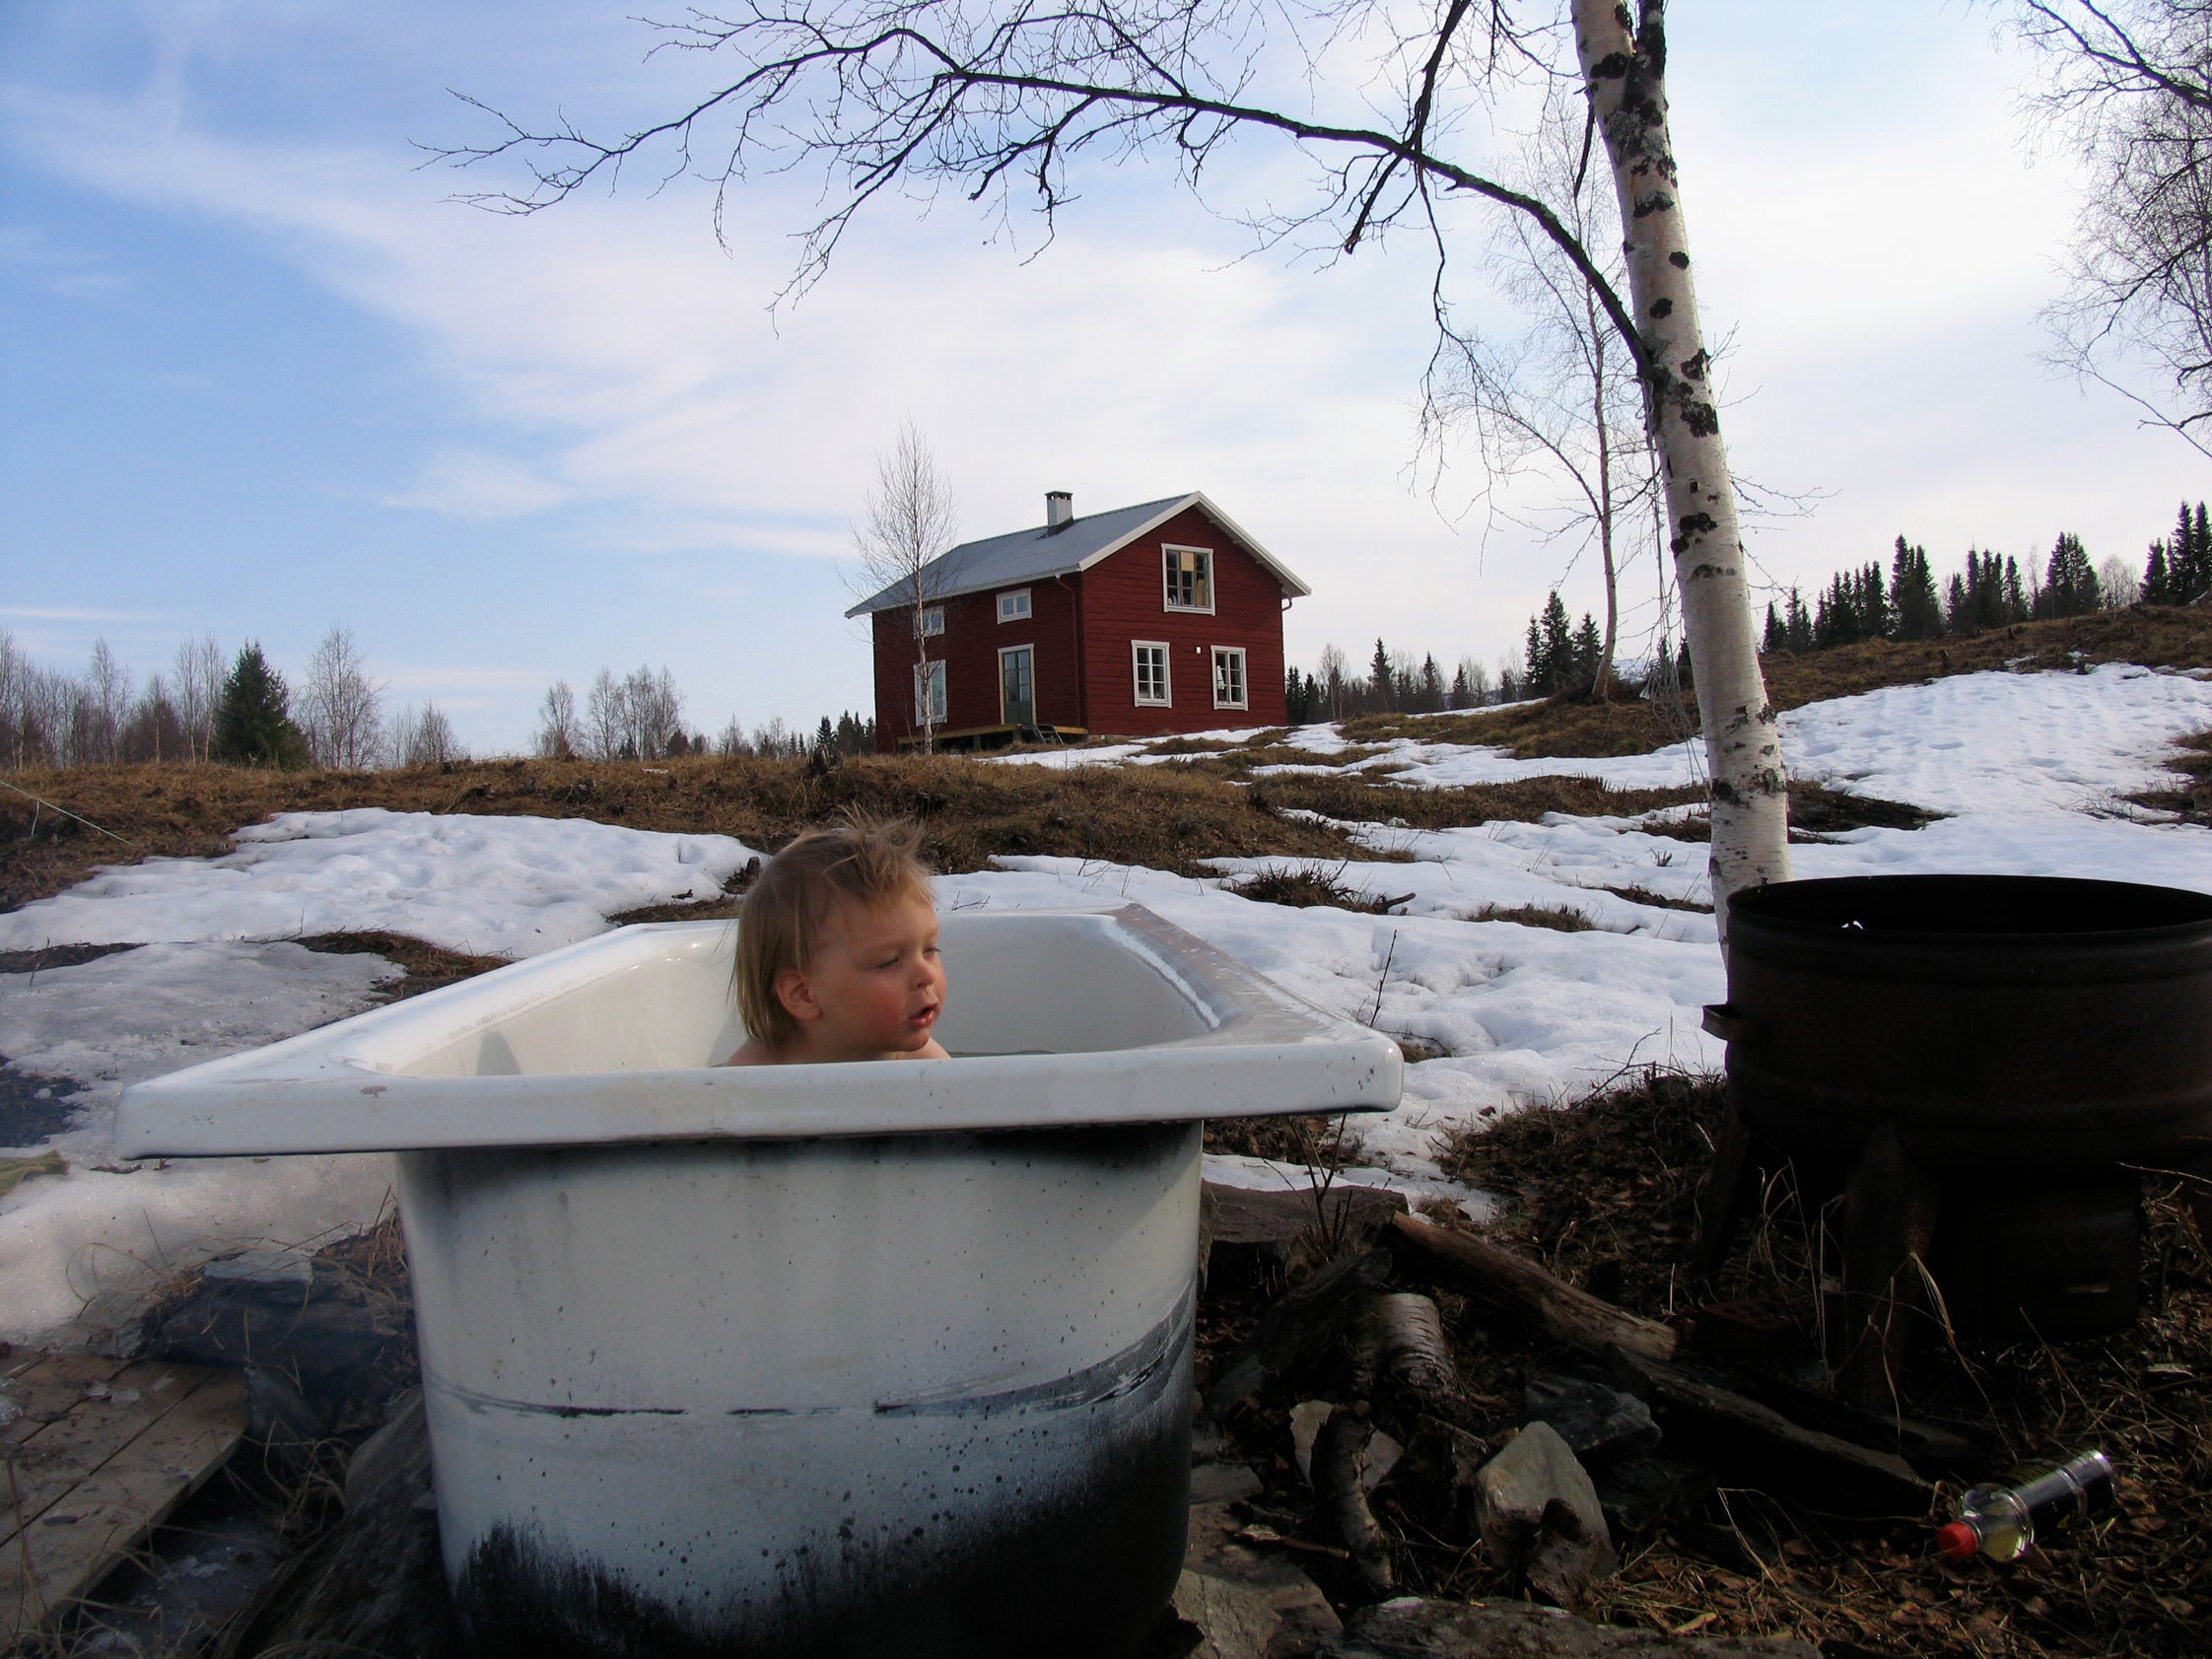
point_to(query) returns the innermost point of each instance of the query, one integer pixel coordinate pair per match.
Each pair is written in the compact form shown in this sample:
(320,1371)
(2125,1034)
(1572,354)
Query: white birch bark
(1623,72)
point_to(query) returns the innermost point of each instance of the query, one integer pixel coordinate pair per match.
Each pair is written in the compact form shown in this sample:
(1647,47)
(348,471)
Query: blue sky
(261,377)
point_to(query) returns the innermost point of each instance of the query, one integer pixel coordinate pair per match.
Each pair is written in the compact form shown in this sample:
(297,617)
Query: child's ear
(797,995)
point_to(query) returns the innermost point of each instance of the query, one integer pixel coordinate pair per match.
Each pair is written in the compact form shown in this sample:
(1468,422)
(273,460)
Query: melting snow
(2028,766)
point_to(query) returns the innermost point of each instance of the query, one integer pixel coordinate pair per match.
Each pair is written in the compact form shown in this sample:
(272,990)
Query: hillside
(2154,635)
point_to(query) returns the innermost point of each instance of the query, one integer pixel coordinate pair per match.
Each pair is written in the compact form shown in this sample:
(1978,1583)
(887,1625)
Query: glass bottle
(2001,1522)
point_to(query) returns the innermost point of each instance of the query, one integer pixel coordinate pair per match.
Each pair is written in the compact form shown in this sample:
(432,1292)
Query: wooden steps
(96,1454)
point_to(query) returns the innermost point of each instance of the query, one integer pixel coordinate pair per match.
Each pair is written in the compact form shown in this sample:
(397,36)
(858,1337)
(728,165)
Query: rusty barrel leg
(1723,1199)
(1889,1232)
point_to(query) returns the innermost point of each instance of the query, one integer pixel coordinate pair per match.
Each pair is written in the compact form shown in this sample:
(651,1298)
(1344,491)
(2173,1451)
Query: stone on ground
(1248,1603)
(1538,1515)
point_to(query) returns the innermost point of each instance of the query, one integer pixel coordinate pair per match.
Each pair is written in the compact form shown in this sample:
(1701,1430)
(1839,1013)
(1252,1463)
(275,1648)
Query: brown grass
(1304,888)
(1816,813)
(2191,792)
(1361,798)
(1165,817)
(1558,918)
(428,966)
(1560,726)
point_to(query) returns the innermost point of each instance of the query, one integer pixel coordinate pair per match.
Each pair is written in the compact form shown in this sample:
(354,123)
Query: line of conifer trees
(1992,591)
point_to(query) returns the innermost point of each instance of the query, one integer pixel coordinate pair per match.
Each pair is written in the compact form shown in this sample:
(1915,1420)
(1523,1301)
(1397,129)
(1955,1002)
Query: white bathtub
(890,1358)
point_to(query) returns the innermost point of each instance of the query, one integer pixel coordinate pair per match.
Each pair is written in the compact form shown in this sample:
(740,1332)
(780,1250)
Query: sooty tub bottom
(1003,1570)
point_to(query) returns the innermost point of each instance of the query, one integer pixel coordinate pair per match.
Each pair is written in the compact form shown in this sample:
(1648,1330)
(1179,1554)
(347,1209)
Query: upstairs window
(1229,677)
(1015,606)
(930,623)
(1190,578)
(1151,673)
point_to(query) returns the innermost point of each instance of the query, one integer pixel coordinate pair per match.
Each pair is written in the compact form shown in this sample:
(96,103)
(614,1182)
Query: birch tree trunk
(1623,63)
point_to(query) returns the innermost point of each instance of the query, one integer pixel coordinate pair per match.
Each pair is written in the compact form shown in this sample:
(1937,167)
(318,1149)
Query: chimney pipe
(1060,509)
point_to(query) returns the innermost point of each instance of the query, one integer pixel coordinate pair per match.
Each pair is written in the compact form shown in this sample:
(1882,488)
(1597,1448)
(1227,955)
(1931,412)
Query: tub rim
(1266,1052)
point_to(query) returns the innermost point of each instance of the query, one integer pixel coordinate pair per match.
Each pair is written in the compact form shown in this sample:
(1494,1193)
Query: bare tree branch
(2130,81)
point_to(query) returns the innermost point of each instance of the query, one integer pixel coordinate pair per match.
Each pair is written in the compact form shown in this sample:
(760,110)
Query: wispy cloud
(481,488)
(30,254)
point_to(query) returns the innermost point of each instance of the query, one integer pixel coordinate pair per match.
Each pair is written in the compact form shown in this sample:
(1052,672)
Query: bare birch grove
(340,706)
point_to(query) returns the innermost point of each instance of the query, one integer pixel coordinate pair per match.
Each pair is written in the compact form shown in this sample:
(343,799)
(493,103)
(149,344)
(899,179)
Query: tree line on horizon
(1394,684)
(202,710)
(639,716)
(245,713)
(1990,592)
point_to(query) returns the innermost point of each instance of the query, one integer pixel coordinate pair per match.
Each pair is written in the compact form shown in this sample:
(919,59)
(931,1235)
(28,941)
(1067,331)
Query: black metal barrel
(2024,1036)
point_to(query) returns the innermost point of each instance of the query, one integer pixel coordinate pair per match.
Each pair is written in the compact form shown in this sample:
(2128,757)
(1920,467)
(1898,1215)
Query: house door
(1017,686)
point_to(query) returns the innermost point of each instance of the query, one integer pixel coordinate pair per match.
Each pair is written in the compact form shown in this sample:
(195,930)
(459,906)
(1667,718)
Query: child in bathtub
(836,953)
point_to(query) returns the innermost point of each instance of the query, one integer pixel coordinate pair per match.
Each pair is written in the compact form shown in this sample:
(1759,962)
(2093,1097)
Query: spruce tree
(2157,586)
(2069,581)
(1431,685)
(1799,624)
(2188,558)
(1873,604)
(252,727)
(1774,639)
(1382,684)
(1918,612)
(1587,646)
(1554,668)
(1462,694)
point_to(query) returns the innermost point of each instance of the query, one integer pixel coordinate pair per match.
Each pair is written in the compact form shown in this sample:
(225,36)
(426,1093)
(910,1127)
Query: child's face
(875,985)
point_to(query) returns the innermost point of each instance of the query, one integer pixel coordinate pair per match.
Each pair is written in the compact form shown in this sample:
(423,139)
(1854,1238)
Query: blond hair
(859,862)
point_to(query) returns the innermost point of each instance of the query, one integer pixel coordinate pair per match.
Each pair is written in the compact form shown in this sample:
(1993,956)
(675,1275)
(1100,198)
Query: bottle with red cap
(2001,1522)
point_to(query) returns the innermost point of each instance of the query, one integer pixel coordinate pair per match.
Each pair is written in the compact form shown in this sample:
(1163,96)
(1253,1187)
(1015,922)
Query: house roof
(1039,554)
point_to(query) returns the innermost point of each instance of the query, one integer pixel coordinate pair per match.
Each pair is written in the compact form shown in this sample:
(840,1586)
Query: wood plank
(80,1539)
(40,1393)
(51,1462)
(82,1368)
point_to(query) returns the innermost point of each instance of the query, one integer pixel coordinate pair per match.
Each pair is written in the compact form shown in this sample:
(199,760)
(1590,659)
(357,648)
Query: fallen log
(1400,1342)
(1339,1463)
(1464,1263)
(1820,1471)
(1279,1216)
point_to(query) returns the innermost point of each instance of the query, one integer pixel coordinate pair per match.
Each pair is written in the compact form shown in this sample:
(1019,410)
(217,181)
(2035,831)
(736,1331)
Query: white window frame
(928,623)
(1005,652)
(933,716)
(1168,551)
(1243,699)
(1014,605)
(1136,649)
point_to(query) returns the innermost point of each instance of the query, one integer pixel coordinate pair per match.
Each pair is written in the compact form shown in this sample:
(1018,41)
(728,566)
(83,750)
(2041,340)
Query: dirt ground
(1606,1194)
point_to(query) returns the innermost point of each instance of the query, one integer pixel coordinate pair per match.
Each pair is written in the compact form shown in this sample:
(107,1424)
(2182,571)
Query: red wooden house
(1158,618)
